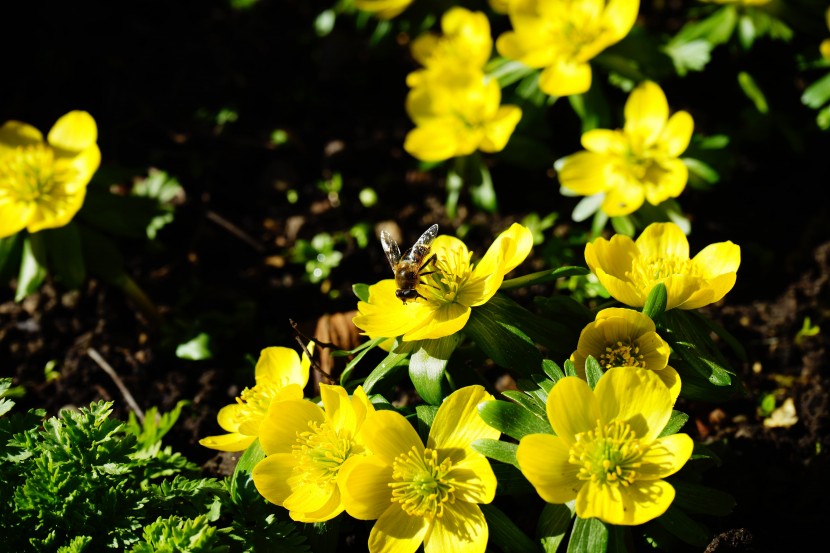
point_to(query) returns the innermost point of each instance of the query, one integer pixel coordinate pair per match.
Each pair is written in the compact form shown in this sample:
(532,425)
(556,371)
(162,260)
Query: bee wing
(390,248)
(427,237)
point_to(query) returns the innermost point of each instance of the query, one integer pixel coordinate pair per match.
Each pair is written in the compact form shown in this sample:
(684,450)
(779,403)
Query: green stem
(141,300)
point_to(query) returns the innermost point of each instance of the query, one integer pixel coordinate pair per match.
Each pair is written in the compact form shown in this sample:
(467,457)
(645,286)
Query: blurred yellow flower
(465,42)
(621,337)
(499,6)
(630,269)
(449,293)
(43,183)
(456,112)
(606,453)
(280,375)
(742,2)
(563,36)
(383,9)
(824,47)
(420,494)
(306,446)
(636,164)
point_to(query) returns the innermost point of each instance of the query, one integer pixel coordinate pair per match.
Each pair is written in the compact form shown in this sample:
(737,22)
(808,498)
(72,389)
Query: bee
(409,266)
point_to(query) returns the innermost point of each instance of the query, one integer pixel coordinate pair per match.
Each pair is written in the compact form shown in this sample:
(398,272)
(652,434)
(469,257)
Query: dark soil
(155,81)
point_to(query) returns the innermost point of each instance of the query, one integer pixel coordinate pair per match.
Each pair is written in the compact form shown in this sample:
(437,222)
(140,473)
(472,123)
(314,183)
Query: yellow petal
(17,133)
(497,131)
(474,478)
(458,424)
(671,379)
(332,508)
(619,17)
(448,319)
(385,316)
(361,405)
(14,216)
(635,504)
(718,259)
(646,113)
(389,434)
(383,9)
(364,487)
(433,141)
(665,456)
(229,417)
(663,240)
(228,442)
(280,366)
(515,244)
(423,47)
(310,497)
(338,408)
(74,132)
(565,77)
(397,532)
(543,459)
(585,173)
(637,396)
(462,528)
(625,195)
(278,430)
(678,133)
(572,408)
(665,180)
(604,141)
(271,477)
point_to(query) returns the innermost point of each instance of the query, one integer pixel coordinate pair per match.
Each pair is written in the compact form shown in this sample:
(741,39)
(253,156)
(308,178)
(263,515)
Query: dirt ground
(156,84)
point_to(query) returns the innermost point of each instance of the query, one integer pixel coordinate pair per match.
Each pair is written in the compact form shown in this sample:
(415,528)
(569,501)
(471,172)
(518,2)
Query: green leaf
(570,368)
(513,420)
(361,290)
(553,370)
(656,302)
(593,371)
(504,534)
(101,255)
(503,342)
(359,352)
(511,481)
(676,422)
(8,247)
(529,402)
(752,91)
(386,370)
(427,366)
(507,71)
(588,536)
(119,215)
(818,93)
(697,498)
(553,524)
(498,450)
(700,169)
(482,192)
(746,31)
(195,349)
(543,276)
(681,525)
(32,266)
(65,254)
(690,339)
(587,206)
(425,415)
(623,225)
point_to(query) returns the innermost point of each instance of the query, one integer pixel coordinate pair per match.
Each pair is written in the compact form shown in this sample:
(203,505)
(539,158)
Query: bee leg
(431,259)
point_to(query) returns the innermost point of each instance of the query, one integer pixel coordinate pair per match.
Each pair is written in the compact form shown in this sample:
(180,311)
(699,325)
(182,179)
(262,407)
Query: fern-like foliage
(85,482)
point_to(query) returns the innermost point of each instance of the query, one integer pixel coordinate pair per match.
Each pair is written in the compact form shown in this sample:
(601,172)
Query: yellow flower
(280,375)
(306,447)
(424,494)
(43,183)
(450,293)
(626,338)
(563,37)
(824,47)
(465,41)
(499,6)
(457,110)
(636,164)
(742,2)
(606,453)
(383,9)
(630,269)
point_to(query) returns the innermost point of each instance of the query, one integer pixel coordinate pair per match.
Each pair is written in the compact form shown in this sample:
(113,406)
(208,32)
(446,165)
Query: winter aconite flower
(606,453)
(630,269)
(456,108)
(455,287)
(280,375)
(306,447)
(383,9)
(625,338)
(824,47)
(636,164)
(421,494)
(43,182)
(562,37)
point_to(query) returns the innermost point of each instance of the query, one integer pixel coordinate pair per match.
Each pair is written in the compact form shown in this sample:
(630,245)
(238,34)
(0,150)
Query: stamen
(609,454)
(421,484)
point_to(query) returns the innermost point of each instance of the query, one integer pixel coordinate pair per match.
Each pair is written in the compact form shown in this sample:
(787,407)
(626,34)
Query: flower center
(451,273)
(421,484)
(28,174)
(622,354)
(319,453)
(609,454)
(255,402)
(649,269)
